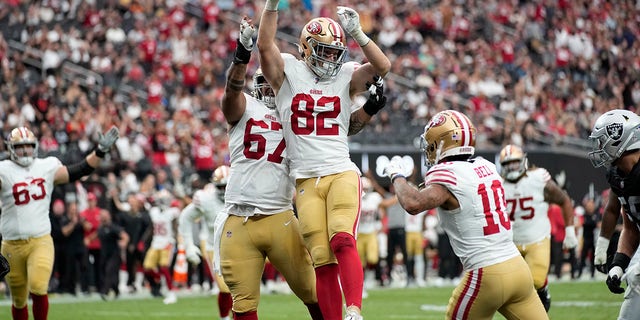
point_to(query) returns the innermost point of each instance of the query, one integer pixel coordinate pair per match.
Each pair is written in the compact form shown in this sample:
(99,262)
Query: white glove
(600,256)
(350,21)
(193,254)
(395,168)
(106,141)
(247,30)
(570,239)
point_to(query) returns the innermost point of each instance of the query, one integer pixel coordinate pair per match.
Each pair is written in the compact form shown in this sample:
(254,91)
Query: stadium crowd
(526,72)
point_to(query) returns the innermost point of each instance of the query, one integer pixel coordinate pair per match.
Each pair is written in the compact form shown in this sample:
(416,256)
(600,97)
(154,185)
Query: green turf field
(570,300)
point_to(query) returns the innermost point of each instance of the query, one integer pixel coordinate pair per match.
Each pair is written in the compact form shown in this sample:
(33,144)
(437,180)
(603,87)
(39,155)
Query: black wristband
(79,170)
(372,107)
(621,260)
(99,153)
(242,55)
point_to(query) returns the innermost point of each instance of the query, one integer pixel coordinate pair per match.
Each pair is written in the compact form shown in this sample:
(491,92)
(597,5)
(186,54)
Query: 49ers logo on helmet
(314,27)
(436,121)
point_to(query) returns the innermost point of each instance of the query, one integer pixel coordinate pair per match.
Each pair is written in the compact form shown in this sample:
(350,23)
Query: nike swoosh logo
(288,223)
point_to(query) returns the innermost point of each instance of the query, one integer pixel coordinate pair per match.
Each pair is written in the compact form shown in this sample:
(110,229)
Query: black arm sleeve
(79,170)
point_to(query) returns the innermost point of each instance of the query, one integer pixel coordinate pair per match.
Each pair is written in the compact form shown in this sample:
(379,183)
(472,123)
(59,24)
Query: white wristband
(361,38)
(271,5)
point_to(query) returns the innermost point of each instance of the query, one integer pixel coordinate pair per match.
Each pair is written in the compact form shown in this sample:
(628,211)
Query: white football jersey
(259,175)
(26,197)
(369,213)
(526,207)
(480,230)
(414,223)
(162,219)
(315,116)
(206,206)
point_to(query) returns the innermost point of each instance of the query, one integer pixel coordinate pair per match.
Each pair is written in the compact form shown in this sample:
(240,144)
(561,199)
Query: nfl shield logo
(614,131)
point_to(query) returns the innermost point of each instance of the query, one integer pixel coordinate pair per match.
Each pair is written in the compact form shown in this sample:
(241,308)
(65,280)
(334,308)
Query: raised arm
(233,100)
(378,63)
(270,58)
(91,162)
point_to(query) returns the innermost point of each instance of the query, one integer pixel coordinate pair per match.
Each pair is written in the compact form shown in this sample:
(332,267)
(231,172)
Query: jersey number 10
(497,196)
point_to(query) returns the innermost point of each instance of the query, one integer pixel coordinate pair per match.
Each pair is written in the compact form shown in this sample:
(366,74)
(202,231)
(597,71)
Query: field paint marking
(443,308)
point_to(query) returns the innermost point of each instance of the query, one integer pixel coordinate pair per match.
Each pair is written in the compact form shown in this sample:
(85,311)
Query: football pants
(31,263)
(326,206)
(244,247)
(506,287)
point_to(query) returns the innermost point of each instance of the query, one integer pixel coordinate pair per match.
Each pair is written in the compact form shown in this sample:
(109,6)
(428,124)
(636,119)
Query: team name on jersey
(270,117)
(483,171)
(315,91)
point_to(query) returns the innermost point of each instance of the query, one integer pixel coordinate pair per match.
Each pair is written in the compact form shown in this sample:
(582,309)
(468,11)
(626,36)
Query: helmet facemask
(614,133)
(323,47)
(262,90)
(22,146)
(513,162)
(325,59)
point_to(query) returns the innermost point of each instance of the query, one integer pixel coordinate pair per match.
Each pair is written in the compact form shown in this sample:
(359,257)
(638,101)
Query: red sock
(225,302)
(167,277)
(151,275)
(328,289)
(40,306)
(251,315)
(20,314)
(344,248)
(314,311)
(269,271)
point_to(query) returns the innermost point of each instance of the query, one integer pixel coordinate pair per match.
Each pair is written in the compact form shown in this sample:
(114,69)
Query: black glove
(616,270)
(613,280)
(376,99)
(4,267)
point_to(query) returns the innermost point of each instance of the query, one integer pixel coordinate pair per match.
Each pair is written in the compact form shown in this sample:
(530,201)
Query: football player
(414,226)
(469,195)
(158,257)
(528,192)
(258,220)
(26,185)
(314,100)
(616,144)
(368,228)
(206,205)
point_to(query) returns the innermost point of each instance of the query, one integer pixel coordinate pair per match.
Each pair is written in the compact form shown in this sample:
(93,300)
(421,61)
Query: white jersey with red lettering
(315,116)
(479,230)
(162,219)
(527,208)
(369,212)
(259,176)
(26,197)
(205,205)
